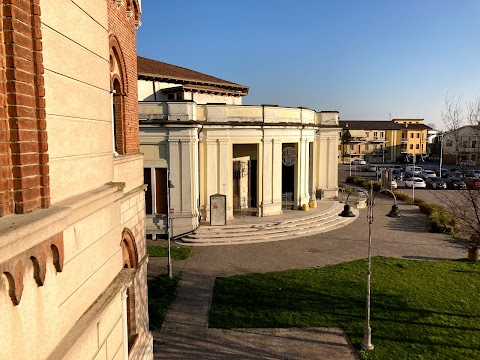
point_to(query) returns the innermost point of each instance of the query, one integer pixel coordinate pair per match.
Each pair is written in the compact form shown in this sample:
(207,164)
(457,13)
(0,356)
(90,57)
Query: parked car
(372,168)
(380,169)
(394,184)
(472,182)
(415,182)
(435,183)
(397,174)
(429,173)
(456,184)
(359,162)
(415,169)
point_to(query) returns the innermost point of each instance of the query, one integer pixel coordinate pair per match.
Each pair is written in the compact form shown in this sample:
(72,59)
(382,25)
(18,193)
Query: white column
(211,176)
(195,179)
(224,174)
(186,177)
(174,166)
(276,172)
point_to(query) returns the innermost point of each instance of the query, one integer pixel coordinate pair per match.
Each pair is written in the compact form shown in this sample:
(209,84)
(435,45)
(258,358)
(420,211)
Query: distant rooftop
(380,125)
(149,69)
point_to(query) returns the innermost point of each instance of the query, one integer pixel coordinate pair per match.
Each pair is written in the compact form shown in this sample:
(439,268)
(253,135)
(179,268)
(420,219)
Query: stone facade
(72,240)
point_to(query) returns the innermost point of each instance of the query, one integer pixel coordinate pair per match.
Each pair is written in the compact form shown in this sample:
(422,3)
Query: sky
(369,60)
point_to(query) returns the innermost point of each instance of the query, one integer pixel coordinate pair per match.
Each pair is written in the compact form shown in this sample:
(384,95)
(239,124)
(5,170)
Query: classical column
(277,172)
(174,165)
(211,175)
(186,177)
(224,174)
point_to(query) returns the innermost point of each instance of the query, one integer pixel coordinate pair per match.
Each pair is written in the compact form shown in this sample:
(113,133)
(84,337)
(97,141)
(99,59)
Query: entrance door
(289,166)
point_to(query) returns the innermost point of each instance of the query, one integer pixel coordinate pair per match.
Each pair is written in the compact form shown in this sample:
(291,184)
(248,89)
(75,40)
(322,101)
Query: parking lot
(441,197)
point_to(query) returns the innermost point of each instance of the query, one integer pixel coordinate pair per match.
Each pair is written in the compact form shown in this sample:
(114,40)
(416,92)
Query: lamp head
(170,185)
(347,212)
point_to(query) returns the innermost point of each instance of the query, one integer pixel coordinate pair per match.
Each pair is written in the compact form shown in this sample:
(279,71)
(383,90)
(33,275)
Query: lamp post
(367,333)
(169,262)
(441,154)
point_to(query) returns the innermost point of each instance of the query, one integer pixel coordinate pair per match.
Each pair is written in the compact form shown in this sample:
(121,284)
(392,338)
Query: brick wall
(24,181)
(122,23)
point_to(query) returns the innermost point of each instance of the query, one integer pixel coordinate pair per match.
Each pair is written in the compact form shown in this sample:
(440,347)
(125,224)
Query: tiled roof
(148,68)
(379,125)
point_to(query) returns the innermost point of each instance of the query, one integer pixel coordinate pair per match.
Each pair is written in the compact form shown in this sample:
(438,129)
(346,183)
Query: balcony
(404,140)
(357,140)
(378,139)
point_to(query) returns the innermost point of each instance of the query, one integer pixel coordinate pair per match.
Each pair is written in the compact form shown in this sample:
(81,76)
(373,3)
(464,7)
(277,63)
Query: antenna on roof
(390,116)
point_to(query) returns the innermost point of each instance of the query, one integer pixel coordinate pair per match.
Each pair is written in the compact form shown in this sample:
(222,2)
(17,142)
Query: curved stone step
(273,231)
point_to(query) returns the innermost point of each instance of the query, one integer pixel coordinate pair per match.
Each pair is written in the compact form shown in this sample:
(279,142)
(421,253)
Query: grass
(420,309)
(161,293)
(177,252)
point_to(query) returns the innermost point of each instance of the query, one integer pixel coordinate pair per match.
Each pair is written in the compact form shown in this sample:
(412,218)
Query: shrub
(441,221)
(350,179)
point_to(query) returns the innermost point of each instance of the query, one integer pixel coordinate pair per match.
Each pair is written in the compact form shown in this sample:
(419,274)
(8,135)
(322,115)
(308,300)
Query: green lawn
(177,252)
(161,293)
(420,309)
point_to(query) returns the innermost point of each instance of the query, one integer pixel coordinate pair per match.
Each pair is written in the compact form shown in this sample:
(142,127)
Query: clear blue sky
(365,59)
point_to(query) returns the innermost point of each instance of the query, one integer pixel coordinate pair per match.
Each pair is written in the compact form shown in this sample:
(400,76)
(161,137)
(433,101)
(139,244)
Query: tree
(462,146)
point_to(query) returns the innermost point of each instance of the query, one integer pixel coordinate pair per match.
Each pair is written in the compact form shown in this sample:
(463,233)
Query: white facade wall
(149,90)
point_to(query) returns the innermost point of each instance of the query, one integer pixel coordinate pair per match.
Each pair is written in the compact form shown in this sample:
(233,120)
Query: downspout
(263,160)
(154,91)
(198,175)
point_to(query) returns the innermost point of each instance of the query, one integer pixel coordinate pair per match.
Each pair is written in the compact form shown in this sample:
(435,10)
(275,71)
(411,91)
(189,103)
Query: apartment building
(382,141)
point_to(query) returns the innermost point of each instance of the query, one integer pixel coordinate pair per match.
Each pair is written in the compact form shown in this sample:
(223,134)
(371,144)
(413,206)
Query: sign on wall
(289,156)
(218,209)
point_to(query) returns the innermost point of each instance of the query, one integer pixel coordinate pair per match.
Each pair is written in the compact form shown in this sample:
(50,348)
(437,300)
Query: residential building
(72,242)
(382,141)
(195,132)
(462,146)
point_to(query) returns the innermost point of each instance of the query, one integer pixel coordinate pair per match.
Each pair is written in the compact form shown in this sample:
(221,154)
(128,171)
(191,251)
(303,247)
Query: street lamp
(441,153)
(367,334)
(169,263)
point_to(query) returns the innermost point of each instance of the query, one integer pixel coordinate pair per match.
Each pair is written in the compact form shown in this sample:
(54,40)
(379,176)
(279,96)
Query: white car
(359,162)
(429,173)
(394,184)
(415,182)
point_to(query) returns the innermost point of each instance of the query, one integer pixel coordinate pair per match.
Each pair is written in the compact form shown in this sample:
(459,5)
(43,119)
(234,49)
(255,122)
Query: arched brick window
(119,88)
(130,261)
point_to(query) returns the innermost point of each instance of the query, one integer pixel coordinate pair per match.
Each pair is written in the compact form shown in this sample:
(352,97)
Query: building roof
(149,69)
(379,125)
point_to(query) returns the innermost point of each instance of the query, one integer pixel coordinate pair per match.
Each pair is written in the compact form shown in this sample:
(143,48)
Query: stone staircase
(282,227)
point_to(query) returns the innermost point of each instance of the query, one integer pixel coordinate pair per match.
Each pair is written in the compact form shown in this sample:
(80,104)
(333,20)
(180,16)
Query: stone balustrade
(221,113)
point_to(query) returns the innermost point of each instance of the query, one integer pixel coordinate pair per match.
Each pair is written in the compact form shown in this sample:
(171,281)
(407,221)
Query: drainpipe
(263,160)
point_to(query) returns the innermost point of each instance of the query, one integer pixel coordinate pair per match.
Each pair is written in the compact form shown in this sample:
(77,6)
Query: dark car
(397,174)
(456,184)
(472,182)
(435,183)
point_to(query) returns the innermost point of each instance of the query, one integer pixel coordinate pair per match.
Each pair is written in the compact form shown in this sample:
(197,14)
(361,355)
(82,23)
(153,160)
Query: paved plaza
(185,334)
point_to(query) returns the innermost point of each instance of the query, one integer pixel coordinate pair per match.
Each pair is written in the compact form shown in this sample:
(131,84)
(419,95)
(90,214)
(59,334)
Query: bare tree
(462,144)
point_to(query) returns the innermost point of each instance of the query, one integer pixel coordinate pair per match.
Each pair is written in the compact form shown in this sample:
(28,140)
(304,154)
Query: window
(411,146)
(156,194)
(374,134)
(411,135)
(339,147)
(179,96)
(474,144)
(351,147)
(339,134)
(418,135)
(367,134)
(418,146)
(381,134)
(171,97)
